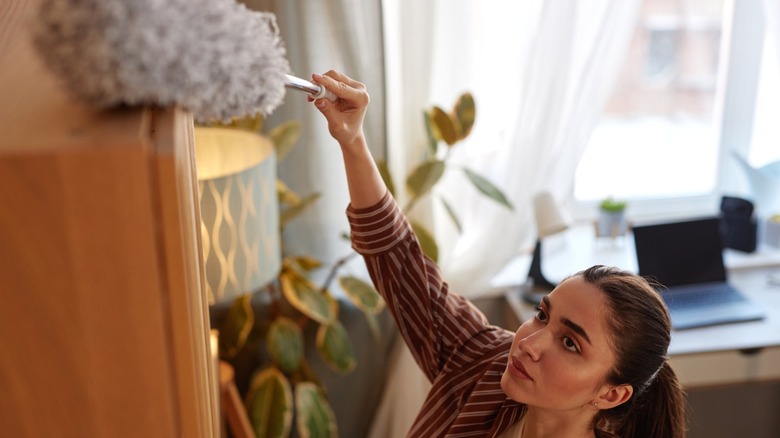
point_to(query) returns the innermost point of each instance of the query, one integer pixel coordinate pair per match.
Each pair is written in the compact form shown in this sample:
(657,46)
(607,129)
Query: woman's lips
(517,369)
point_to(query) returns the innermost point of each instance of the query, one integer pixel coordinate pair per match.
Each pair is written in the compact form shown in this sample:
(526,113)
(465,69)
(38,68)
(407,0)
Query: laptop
(687,259)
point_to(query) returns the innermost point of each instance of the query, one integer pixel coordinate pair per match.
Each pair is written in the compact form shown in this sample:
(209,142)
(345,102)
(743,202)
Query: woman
(592,362)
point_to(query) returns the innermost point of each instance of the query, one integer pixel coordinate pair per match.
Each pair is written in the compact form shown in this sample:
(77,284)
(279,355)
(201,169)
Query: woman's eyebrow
(567,322)
(577,328)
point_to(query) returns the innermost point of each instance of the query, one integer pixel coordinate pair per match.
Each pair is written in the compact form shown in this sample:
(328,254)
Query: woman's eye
(570,345)
(540,315)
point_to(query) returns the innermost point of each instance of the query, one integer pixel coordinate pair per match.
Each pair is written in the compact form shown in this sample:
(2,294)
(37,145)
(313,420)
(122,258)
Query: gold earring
(595,404)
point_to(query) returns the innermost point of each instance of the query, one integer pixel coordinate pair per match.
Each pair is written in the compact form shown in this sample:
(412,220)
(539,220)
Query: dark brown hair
(641,331)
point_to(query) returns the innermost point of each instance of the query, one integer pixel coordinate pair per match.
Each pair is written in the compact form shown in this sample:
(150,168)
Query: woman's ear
(614,396)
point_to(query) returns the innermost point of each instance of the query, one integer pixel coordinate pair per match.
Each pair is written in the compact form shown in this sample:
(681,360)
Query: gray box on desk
(772,231)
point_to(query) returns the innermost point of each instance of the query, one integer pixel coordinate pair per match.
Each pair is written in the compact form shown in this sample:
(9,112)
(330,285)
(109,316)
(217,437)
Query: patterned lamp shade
(239,211)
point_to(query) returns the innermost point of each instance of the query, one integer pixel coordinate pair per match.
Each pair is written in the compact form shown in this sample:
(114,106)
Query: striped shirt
(462,355)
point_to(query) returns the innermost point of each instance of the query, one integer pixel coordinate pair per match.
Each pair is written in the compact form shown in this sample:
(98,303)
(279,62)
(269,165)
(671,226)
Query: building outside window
(662,138)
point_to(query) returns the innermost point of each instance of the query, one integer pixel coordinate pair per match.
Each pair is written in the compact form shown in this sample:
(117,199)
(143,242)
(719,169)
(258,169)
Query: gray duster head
(215,58)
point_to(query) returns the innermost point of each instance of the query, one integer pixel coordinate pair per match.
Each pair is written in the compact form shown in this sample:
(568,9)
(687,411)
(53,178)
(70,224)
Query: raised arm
(345,123)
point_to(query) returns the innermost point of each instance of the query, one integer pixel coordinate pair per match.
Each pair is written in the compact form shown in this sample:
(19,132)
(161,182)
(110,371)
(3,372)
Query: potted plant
(612,218)
(283,384)
(263,339)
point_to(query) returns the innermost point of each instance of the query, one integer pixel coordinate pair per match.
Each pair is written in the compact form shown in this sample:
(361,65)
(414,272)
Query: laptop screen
(681,253)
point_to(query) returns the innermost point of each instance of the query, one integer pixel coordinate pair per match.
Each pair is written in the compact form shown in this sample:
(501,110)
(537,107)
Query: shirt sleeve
(435,323)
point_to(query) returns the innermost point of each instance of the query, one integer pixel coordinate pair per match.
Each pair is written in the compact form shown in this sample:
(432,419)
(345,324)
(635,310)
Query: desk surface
(757,275)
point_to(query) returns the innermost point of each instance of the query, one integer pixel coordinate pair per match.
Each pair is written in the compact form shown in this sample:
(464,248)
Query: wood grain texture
(13,23)
(178,210)
(103,320)
(83,313)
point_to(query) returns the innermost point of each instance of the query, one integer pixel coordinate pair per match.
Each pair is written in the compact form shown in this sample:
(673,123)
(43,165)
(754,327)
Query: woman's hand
(345,123)
(345,115)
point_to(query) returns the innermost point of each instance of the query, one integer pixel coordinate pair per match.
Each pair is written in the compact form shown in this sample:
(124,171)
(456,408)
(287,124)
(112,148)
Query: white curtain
(342,35)
(409,48)
(772,20)
(320,35)
(541,72)
(534,118)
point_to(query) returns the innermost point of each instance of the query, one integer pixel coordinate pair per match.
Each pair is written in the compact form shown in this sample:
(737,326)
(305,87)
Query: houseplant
(445,129)
(273,343)
(611,218)
(261,335)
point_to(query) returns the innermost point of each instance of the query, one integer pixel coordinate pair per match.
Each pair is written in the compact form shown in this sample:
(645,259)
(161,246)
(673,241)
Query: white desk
(728,353)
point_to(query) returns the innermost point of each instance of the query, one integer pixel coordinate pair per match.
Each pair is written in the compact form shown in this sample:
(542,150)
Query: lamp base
(533,293)
(536,286)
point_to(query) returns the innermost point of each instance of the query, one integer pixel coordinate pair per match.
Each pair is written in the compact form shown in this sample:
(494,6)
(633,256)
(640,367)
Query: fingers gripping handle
(324,93)
(316,91)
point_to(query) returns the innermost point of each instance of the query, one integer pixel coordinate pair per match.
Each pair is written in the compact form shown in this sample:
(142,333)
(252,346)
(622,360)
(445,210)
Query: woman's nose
(534,344)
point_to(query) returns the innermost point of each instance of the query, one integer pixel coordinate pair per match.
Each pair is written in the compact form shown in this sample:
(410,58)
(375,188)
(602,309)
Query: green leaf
(315,418)
(465,112)
(237,325)
(433,143)
(291,213)
(487,188)
(386,177)
(284,137)
(335,347)
(452,215)
(424,177)
(362,294)
(285,344)
(269,404)
(427,242)
(443,126)
(612,205)
(306,298)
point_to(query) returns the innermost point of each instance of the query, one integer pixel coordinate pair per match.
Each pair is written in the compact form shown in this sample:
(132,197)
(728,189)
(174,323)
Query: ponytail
(659,410)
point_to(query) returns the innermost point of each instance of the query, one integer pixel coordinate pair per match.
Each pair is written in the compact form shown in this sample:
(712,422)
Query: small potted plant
(612,218)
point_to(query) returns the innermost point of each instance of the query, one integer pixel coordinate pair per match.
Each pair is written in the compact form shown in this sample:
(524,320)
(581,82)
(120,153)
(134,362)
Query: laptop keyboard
(698,296)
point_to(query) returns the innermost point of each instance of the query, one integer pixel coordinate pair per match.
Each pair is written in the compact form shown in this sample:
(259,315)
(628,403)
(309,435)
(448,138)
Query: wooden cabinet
(103,319)
(728,367)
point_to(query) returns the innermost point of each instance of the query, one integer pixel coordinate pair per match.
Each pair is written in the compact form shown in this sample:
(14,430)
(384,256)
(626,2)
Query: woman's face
(560,358)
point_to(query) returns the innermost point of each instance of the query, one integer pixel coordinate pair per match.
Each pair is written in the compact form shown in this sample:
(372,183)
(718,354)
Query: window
(765,139)
(659,143)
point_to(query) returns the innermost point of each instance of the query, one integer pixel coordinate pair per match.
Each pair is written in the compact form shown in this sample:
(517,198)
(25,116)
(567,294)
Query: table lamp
(239,229)
(239,211)
(549,221)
